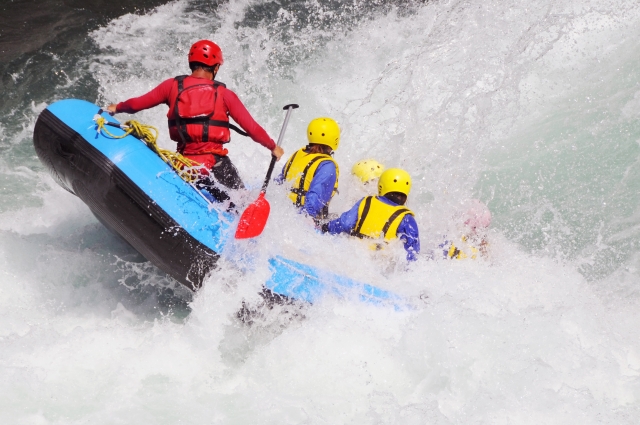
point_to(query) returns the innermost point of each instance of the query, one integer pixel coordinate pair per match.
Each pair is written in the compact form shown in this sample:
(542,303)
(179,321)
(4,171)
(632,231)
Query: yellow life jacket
(458,254)
(300,169)
(377,219)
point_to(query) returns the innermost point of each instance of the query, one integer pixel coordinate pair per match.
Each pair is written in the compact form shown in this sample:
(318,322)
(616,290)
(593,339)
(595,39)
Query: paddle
(254,218)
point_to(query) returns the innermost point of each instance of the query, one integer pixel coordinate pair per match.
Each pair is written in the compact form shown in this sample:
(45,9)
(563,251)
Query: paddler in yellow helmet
(473,240)
(311,171)
(383,216)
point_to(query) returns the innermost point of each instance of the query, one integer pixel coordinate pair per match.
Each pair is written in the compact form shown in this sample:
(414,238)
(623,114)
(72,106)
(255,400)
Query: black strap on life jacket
(365,211)
(299,191)
(289,164)
(392,219)
(216,123)
(181,123)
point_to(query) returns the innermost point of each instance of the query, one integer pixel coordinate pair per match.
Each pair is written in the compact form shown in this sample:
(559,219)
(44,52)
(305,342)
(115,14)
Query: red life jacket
(198,118)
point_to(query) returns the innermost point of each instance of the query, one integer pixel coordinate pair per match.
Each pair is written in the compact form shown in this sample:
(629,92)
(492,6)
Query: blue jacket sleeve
(280,178)
(321,189)
(445,246)
(346,222)
(409,235)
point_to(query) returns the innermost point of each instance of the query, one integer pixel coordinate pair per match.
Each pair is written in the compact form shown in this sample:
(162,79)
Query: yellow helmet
(394,180)
(367,170)
(324,131)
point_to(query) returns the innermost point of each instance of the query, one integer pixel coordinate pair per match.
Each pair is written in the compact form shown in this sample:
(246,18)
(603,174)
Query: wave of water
(533,108)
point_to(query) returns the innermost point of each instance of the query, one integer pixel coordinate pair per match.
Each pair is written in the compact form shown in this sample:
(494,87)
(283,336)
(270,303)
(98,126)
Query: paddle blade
(254,218)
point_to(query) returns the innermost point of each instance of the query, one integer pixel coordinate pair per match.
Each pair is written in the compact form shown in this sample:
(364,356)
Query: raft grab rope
(148,134)
(185,167)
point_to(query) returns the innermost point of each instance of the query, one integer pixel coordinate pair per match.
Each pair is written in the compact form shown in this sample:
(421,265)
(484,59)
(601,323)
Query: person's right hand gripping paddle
(254,218)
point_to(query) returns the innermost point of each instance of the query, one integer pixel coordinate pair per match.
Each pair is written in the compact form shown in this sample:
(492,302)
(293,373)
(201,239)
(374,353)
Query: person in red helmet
(199,111)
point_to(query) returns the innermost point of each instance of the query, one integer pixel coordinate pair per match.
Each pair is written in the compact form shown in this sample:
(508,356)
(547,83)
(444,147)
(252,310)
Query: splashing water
(532,108)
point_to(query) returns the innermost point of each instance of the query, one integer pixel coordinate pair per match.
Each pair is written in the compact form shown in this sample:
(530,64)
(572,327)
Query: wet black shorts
(226,173)
(225,176)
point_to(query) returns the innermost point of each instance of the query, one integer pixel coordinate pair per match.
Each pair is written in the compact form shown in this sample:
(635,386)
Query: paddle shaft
(288,108)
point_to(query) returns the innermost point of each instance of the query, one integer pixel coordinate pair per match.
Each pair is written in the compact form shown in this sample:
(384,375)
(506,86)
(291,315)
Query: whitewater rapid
(532,108)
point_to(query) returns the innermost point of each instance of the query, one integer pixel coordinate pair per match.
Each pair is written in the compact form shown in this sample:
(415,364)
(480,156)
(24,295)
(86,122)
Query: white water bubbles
(571,168)
(519,339)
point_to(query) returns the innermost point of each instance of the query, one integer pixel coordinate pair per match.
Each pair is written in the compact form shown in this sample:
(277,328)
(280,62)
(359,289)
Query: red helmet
(206,52)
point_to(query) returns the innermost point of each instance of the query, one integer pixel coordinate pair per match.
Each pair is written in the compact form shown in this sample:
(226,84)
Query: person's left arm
(409,235)
(321,188)
(345,223)
(279,179)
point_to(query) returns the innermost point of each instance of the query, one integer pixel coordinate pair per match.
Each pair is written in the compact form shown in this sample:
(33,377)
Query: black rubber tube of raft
(84,171)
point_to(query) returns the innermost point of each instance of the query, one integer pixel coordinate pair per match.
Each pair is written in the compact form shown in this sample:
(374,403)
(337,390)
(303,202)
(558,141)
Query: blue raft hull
(136,194)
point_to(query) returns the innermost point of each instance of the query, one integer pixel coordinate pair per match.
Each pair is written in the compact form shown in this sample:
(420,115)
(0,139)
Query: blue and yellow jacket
(314,179)
(462,249)
(379,221)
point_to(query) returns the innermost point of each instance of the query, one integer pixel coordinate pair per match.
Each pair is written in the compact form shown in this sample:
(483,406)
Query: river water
(532,107)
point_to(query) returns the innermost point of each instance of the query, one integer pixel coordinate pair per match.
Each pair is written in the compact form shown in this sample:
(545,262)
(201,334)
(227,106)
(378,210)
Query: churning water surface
(532,107)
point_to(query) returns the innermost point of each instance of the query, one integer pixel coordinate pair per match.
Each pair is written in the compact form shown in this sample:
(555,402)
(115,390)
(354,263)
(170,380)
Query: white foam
(517,339)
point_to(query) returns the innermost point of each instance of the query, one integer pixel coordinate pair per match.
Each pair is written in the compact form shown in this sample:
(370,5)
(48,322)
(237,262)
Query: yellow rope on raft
(149,135)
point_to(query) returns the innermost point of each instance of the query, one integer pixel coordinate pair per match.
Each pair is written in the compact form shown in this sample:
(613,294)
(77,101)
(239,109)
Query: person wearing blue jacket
(383,216)
(311,171)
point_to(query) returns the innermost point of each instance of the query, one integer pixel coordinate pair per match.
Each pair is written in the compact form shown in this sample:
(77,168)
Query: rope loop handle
(186,168)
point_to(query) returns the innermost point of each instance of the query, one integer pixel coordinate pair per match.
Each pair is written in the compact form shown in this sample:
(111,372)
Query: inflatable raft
(132,191)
